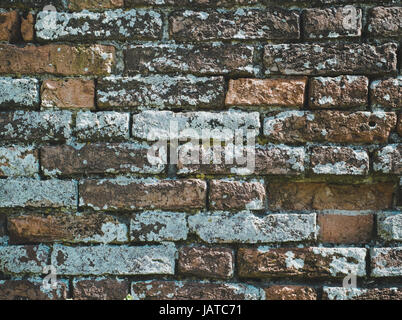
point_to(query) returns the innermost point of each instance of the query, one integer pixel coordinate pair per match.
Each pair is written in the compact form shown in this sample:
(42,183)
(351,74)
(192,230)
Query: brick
(35,126)
(330,59)
(73,228)
(329,126)
(129,194)
(3,226)
(218,227)
(399,125)
(206,262)
(26,259)
(116,260)
(159,91)
(30,193)
(100,289)
(19,93)
(102,126)
(100,158)
(31,4)
(386,93)
(389,226)
(68,94)
(386,262)
(339,161)
(385,22)
(9,26)
(57,59)
(325,196)
(337,22)
(108,25)
(31,289)
(338,92)
(236,195)
(242,24)
(316,262)
(266,92)
(158,226)
(159,125)
(93,5)
(341,293)
(388,159)
(345,229)
(192,290)
(190,3)
(18,161)
(27,27)
(291,292)
(200,59)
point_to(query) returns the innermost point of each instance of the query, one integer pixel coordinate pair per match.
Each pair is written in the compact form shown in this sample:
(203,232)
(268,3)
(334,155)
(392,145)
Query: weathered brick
(245,227)
(341,293)
(19,93)
(339,160)
(399,125)
(32,4)
(30,193)
(389,226)
(206,262)
(340,228)
(160,90)
(108,25)
(27,27)
(158,226)
(245,24)
(385,22)
(236,195)
(325,196)
(31,289)
(199,59)
(330,126)
(57,59)
(291,292)
(78,5)
(17,161)
(9,26)
(129,194)
(316,262)
(28,259)
(68,93)
(102,126)
(3,226)
(100,289)
(386,262)
(386,93)
(389,159)
(117,260)
(191,3)
(92,227)
(266,92)
(330,59)
(338,92)
(192,290)
(332,22)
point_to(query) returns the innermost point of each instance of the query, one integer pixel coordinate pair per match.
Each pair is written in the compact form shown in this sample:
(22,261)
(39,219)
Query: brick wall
(86,91)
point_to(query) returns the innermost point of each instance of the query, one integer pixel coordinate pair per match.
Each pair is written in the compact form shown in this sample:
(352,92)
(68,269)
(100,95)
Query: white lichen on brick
(293,263)
(385,262)
(110,232)
(270,123)
(341,293)
(17,259)
(18,161)
(19,92)
(389,226)
(388,159)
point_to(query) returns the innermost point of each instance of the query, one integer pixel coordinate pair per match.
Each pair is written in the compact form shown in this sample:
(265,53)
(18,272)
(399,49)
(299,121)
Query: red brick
(103,289)
(292,292)
(9,26)
(385,22)
(94,5)
(31,290)
(387,93)
(27,27)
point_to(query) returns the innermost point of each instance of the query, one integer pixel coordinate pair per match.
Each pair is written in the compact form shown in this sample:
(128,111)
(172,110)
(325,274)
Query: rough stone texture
(325,196)
(117,260)
(345,229)
(9,26)
(57,59)
(68,94)
(100,289)
(108,25)
(19,93)
(389,226)
(332,22)
(26,259)
(180,290)
(3,226)
(27,4)
(246,24)
(100,158)
(291,292)
(340,293)
(60,227)
(206,262)
(191,3)
(158,226)
(31,289)
(389,159)
(236,195)
(245,227)
(27,27)
(266,92)
(315,262)
(330,59)
(201,59)
(18,161)
(339,161)
(386,93)
(79,5)
(30,193)
(399,125)
(330,126)
(386,262)
(338,92)
(129,194)
(385,22)
(159,91)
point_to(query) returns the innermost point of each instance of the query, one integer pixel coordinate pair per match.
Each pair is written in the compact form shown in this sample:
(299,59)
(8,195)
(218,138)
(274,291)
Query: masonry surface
(88,86)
